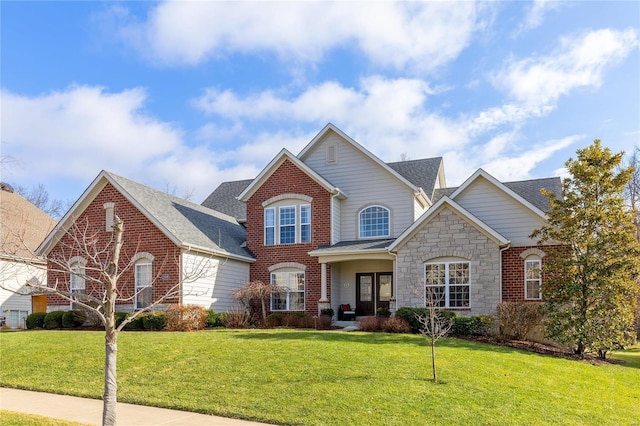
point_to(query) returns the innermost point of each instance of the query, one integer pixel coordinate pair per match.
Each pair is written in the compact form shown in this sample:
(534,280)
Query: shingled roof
(527,189)
(422,173)
(23,226)
(187,224)
(223,199)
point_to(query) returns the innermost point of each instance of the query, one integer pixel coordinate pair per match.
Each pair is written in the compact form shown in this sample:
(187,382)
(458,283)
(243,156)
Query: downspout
(395,280)
(502,249)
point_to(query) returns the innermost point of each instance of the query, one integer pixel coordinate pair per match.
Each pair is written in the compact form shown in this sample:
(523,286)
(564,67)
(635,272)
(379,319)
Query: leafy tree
(590,291)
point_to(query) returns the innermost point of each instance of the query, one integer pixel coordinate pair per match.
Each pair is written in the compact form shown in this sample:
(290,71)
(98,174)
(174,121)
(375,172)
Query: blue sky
(182,96)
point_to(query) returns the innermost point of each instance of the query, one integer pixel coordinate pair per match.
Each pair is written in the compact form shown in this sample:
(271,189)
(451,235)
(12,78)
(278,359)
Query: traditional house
(22,227)
(336,225)
(170,246)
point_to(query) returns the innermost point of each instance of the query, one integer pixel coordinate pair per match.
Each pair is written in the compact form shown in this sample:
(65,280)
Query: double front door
(373,290)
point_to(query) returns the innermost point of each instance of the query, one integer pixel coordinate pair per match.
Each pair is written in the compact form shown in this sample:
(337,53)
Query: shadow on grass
(627,358)
(325,336)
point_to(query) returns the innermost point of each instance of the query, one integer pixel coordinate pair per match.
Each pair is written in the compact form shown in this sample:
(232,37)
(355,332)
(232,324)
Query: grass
(329,378)
(10,418)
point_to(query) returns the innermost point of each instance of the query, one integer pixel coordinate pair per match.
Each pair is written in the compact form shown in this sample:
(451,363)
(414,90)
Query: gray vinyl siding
(365,183)
(335,220)
(500,211)
(212,290)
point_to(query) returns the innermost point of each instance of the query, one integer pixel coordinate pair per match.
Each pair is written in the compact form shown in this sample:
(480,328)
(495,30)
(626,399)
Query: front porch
(362,276)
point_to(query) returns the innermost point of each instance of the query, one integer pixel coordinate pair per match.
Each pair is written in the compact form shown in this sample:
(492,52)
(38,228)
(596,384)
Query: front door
(364,294)
(373,290)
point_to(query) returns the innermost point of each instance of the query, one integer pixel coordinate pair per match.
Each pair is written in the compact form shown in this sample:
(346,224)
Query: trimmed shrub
(237,318)
(120,316)
(36,320)
(154,321)
(53,320)
(73,318)
(186,317)
(295,320)
(370,324)
(410,315)
(477,325)
(395,325)
(213,319)
(136,324)
(275,319)
(517,319)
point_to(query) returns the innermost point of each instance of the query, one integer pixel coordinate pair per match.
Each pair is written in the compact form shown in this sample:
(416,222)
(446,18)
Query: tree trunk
(109,398)
(433,360)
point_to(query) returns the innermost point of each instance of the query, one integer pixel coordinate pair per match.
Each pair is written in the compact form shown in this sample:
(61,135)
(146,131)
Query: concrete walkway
(89,411)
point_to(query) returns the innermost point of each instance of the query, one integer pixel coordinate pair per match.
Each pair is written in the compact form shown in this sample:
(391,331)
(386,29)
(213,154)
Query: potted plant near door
(326,312)
(383,312)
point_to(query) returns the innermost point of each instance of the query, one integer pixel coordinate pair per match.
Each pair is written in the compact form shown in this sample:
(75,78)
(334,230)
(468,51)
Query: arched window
(143,279)
(374,222)
(533,278)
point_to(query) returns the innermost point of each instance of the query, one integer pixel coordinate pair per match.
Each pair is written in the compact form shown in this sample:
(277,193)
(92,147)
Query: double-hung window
(533,279)
(447,284)
(282,226)
(143,276)
(289,292)
(374,222)
(269,226)
(77,284)
(305,223)
(287,225)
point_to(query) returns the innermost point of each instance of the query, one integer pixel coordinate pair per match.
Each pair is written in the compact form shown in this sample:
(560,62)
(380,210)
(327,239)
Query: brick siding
(140,235)
(513,271)
(289,179)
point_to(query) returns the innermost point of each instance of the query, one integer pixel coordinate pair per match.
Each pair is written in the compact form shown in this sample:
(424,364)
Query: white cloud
(535,14)
(421,36)
(578,62)
(389,117)
(71,135)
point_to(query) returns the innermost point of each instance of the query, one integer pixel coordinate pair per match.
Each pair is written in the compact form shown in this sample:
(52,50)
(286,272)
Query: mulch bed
(543,349)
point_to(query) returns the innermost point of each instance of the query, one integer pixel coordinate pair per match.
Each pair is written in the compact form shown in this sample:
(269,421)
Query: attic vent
(332,153)
(108,208)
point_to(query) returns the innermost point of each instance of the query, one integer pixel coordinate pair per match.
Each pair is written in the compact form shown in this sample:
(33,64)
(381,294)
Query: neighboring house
(335,225)
(22,227)
(165,239)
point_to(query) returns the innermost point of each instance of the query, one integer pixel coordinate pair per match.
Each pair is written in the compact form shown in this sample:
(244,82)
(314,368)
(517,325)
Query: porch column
(323,283)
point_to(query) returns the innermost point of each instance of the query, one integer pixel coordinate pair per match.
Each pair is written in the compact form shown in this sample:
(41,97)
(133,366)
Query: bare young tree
(255,291)
(39,197)
(632,189)
(434,324)
(100,277)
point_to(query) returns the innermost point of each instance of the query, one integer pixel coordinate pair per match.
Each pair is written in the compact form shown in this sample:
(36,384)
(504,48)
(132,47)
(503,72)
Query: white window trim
(360,236)
(288,291)
(447,284)
(275,237)
(304,223)
(138,288)
(297,225)
(79,283)
(527,280)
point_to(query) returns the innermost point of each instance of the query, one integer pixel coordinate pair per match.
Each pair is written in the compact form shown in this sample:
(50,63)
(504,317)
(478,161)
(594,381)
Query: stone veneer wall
(448,235)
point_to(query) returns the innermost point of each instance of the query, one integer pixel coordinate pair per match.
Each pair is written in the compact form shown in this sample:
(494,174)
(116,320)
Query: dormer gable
(285,155)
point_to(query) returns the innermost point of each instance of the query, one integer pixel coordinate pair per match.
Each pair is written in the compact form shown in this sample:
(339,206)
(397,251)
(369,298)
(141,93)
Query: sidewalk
(89,411)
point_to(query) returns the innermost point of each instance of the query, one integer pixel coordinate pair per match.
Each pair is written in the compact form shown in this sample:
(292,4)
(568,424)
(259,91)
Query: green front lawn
(328,378)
